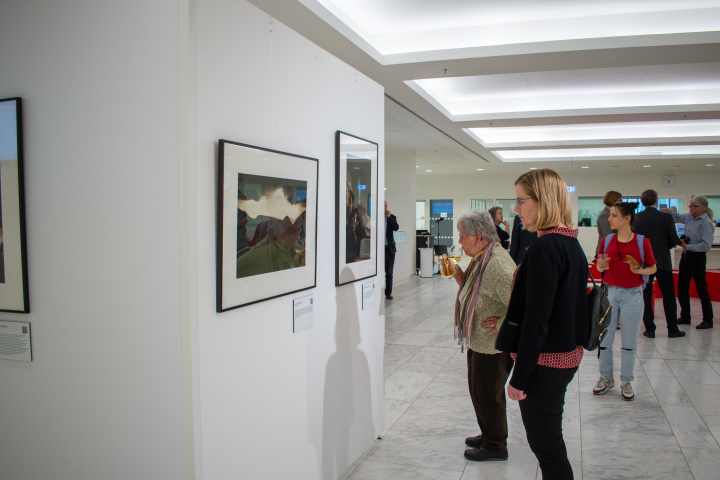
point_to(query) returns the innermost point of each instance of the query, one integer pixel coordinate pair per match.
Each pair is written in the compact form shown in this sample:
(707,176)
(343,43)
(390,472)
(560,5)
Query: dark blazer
(392,226)
(503,236)
(659,228)
(549,301)
(520,241)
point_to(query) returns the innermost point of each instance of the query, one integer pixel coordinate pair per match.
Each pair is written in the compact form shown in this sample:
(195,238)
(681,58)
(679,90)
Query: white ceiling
(498,86)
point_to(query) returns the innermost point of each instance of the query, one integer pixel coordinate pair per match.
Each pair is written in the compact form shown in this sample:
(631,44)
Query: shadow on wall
(348,427)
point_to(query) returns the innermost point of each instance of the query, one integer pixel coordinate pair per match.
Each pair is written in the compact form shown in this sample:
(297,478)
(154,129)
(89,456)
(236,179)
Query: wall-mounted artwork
(266,225)
(14,296)
(356,208)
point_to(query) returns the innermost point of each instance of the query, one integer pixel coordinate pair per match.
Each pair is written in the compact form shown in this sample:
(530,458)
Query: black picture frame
(266,224)
(356,209)
(14,293)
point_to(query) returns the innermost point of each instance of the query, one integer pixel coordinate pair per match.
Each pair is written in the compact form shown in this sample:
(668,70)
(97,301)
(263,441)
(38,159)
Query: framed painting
(266,224)
(14,295)
(356,163)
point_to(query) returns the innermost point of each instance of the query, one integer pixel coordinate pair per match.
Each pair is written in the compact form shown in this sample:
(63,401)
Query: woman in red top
(623,268)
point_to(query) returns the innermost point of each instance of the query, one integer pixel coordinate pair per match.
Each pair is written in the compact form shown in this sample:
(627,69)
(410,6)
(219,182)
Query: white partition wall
(134,375)
(273,403)
(103,396)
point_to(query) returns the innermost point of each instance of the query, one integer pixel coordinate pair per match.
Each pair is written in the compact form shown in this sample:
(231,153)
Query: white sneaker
(626,391)
(603,385)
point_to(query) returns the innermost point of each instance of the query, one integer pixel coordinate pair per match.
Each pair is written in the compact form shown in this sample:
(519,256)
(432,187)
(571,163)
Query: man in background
(391,225)
(659,228)
(520,241)
(696,242)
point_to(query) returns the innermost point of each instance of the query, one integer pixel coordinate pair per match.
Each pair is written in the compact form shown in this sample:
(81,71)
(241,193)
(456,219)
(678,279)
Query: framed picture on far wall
(14,295)
(266,224)
(356,209)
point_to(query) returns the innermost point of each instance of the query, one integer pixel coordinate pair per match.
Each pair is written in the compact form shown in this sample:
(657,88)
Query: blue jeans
(627,307)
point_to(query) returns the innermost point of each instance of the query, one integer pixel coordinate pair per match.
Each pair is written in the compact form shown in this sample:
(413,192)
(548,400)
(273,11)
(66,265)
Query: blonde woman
(548,309)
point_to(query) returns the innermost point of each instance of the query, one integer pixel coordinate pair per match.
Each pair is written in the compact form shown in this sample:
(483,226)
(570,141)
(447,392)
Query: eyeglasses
(460,237)
(520,201)
(692,205)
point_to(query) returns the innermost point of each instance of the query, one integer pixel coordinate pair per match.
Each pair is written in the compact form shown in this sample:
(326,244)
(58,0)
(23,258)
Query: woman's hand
(515,394)
(491,322)
(458,274)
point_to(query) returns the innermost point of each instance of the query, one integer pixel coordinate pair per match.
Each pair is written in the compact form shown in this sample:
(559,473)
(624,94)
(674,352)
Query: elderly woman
(479,309)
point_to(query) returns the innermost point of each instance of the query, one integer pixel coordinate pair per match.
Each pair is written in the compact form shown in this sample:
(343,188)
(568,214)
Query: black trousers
(487,375)
(667,288)
(389,265)
(692,266)
(542,413)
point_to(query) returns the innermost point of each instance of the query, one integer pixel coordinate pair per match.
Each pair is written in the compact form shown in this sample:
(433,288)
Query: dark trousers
(692,266)
(487,375)
(389,265)
(667,288)
(542,412)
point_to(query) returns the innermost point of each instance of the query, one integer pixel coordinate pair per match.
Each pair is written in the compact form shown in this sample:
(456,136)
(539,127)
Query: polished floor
(670,431)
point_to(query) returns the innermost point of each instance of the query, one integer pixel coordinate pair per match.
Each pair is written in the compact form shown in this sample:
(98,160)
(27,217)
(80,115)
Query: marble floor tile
(713,423)
(656,367)
(704,464)
(434,324)
(443,340)
(416,338)
(615,415)
(406,385)
(689,428)
(704,398)
(370,470)
(448,400)
(429,360)
(669,392)
(699,372)
(423,441)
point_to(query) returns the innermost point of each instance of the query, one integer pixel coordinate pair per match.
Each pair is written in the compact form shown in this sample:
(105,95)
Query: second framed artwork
(356,209)
(267,224)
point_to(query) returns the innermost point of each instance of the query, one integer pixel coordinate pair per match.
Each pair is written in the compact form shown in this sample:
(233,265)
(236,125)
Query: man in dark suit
(391,225)
(659,228)
(520,241)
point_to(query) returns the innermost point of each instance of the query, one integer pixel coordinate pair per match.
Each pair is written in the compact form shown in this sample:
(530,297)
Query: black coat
(659,228)
(521,241)
(549,300)
(392,226)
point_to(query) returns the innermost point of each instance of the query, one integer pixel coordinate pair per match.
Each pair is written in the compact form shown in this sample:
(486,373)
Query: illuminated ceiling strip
(606,153)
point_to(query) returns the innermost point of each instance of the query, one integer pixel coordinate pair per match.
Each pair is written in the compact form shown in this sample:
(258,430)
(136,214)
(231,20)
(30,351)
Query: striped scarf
(466,298)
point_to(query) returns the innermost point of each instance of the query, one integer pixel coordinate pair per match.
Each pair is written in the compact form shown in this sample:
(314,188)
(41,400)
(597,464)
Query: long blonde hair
(550,191)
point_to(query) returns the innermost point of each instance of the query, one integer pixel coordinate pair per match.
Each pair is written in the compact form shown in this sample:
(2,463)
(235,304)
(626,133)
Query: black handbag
(599,310)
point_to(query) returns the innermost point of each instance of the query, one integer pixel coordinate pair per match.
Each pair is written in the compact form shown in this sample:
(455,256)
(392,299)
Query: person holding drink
(627,258)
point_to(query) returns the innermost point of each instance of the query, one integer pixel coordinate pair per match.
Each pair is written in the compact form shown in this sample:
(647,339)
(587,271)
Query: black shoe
(474,442)
(389,297)
(482,455)
(682,321)
(649,334)
(677,334)
(705,324)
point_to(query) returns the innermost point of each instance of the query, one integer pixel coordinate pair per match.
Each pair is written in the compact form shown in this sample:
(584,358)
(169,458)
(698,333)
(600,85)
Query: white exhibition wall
(400,192)
(103,396)
(134,374)
(462,188)
(273,403)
